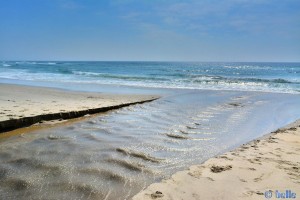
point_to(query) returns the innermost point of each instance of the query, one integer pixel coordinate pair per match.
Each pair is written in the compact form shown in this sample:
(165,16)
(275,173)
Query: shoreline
(23,106)
(268,165)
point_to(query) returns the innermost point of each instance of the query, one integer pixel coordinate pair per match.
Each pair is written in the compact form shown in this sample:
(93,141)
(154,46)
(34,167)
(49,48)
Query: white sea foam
(246,67)
(46,63)
(86,73)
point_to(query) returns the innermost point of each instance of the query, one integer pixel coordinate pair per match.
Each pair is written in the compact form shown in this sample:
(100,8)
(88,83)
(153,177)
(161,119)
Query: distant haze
(159,30)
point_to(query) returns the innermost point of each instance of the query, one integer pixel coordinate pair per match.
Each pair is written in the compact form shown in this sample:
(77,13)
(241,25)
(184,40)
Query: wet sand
(23,105)
(270,163)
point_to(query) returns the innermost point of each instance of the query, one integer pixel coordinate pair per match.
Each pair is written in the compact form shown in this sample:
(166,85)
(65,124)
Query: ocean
(266,77)
(205,109)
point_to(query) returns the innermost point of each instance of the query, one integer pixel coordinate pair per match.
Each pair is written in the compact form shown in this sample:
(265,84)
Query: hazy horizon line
(188,61)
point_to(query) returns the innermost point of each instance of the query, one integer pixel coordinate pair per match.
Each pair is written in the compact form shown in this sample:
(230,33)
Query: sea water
(268,77)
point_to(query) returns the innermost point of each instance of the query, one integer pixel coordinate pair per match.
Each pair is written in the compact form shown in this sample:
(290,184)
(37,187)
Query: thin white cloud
(70,5)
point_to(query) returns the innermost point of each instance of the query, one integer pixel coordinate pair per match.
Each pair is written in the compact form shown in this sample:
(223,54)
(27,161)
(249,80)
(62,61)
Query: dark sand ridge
(22,106)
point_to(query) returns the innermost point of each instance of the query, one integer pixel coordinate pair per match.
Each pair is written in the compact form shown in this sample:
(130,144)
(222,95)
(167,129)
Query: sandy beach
(117,154)
(266,166)
(23,105)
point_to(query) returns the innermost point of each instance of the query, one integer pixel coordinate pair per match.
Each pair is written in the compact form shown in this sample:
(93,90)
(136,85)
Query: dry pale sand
(19,102)
(269,163)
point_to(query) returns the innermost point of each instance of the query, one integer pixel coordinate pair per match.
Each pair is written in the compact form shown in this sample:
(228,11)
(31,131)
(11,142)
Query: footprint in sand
(258,178)
(243,180)
(218,169)
(255,161)
(251,192)
(157,194)
(225,157)
(293,129)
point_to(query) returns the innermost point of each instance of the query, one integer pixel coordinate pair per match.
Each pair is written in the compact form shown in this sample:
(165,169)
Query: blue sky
(203,30)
